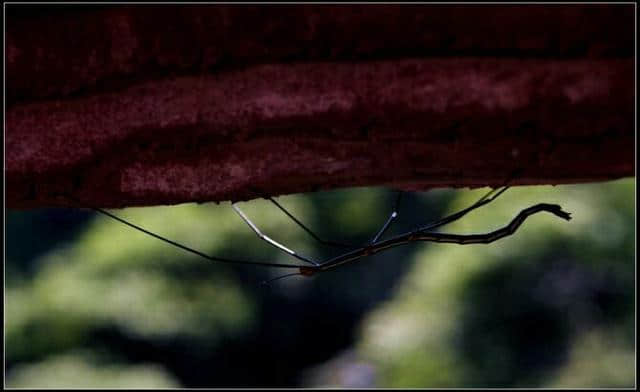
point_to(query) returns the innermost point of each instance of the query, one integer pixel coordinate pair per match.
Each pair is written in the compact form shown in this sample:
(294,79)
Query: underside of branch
(148,122)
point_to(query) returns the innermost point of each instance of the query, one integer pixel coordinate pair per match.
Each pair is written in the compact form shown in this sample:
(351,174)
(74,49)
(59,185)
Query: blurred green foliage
(82,370)
(102,305)
(518,313)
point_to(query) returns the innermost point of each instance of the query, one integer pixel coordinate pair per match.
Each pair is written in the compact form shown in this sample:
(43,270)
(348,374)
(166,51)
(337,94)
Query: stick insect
(376,244)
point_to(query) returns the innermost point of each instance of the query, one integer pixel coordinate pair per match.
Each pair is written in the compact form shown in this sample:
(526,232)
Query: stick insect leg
(484,200)
(311,233)
(179,245)
(394,215)
(266,282)
(267,239)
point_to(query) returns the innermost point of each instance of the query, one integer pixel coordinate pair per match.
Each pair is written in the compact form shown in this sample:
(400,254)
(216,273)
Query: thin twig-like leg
(191,250)
(393,216)
(311,233)
(266,282)
(268,240)
(484,200)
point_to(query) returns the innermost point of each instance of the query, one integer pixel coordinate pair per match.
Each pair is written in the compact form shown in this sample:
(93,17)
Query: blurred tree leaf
(83,370)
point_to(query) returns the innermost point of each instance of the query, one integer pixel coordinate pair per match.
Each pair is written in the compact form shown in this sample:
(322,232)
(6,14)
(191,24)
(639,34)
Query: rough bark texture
(121,106)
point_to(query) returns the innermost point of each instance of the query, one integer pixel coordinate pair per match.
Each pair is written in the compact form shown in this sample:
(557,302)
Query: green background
(90,302)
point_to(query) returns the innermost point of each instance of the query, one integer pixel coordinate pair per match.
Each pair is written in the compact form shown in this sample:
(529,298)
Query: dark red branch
(179,111)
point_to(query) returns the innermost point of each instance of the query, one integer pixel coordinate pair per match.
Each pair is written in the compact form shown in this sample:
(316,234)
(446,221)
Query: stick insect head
(308,271)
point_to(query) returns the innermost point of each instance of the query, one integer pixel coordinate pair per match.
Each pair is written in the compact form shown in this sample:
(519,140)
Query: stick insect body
(377,244)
